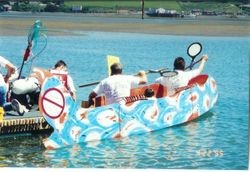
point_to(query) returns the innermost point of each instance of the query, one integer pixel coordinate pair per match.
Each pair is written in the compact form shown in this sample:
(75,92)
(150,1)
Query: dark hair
(60,63)
(179,63)
(149,92)
(116,68)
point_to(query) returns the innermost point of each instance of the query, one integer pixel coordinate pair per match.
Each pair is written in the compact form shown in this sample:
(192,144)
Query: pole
(142,9)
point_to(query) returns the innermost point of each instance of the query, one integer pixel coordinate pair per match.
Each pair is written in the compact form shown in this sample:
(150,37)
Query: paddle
(193,51)
(147,72)
(111,60)
(33,34)
(89,84)
(194,63)
(164,72)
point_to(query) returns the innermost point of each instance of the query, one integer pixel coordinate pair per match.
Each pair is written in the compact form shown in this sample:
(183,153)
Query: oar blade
(111,60)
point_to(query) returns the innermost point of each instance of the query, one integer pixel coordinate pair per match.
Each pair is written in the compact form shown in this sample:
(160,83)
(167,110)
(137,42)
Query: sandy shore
(73,24)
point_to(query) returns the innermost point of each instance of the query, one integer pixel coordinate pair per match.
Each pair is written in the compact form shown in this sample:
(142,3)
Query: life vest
(62,76)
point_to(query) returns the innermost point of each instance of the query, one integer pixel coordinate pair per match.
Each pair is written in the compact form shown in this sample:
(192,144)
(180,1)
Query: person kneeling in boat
(117,86)
(182,78)
(31,84)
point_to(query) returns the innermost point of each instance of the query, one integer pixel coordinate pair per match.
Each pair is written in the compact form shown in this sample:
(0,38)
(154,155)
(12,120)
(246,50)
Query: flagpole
(142,9)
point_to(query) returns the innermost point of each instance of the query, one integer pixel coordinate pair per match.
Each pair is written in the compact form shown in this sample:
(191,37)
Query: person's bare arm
(202,64)
(143,77)
(10,70)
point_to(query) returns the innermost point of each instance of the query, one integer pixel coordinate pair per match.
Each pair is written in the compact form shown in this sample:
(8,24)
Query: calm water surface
(217,140)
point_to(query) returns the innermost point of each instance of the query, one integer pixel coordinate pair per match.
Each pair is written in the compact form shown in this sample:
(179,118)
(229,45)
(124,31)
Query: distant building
(196,12)
(161,12)
(208,13)
(12,2)
(34,2)
(7,7)
(122,12)
(245,6)
(76,8)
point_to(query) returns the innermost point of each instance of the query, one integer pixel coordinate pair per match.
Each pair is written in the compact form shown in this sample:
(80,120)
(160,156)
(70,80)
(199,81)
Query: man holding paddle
(117,86)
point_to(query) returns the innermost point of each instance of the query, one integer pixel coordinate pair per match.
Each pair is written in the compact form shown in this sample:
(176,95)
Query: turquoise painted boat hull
(73,124)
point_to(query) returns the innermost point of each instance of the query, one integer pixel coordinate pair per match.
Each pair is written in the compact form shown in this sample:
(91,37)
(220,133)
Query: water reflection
(20,150)
(167,148)
(189,145)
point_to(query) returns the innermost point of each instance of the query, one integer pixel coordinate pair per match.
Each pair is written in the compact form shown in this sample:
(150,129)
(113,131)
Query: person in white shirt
(60,70)
(117,86)
(182,78)
(14,104)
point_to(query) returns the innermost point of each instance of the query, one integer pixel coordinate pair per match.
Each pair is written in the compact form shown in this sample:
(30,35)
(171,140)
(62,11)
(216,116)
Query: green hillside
(213,5)
(125,4)
(111,6)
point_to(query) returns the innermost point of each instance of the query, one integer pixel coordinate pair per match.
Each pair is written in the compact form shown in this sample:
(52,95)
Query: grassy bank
(74,24)
(228,7)
(125,4)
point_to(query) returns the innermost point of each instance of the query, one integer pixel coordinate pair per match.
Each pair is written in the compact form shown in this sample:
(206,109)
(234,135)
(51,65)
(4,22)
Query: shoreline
(17,24)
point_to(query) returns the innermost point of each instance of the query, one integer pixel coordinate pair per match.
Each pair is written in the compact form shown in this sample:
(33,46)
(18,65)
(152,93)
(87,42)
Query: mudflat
(13,23)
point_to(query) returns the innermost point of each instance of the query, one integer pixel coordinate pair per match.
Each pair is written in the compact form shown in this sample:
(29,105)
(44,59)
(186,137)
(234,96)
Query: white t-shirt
(3,63)
(116,87)
(180,80)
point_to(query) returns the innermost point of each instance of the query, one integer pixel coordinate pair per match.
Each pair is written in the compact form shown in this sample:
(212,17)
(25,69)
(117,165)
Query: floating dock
(30,122)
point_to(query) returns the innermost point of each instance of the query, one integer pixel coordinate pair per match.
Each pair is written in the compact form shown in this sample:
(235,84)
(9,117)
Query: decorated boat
(149,108)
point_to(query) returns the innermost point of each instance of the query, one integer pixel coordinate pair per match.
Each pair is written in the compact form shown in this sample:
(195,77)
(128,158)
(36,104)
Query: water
(218,140)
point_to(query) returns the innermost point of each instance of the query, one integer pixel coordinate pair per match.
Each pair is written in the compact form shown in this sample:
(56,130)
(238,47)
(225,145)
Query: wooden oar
(89,84)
